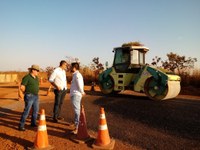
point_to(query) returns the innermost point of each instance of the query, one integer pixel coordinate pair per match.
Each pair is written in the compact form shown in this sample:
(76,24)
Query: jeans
(59,98)
(31,101)
(76,102)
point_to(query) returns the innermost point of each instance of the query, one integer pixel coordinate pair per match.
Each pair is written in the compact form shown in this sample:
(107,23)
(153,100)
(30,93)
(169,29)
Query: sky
(44,32)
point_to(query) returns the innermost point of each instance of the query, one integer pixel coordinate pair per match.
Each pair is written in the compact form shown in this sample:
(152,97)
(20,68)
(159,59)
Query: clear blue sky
(44,32)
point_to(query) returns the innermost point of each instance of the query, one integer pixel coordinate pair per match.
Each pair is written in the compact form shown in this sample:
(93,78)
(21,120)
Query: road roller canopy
(131,55)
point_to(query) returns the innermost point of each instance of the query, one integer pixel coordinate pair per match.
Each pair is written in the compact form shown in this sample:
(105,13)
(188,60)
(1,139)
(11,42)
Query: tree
(179,63)
(97,67)
(156,61)
(49,71)
(70,60)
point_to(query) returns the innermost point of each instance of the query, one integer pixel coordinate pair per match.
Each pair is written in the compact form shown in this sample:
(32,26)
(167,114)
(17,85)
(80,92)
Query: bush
(191,80)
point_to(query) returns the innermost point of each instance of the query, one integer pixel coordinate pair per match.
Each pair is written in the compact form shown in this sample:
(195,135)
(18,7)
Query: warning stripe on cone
(42,117)
(103,127)
(42,128)
(102,116)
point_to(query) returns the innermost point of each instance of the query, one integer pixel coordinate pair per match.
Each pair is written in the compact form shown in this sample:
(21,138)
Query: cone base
(110,146)
(36,148)
(75,139)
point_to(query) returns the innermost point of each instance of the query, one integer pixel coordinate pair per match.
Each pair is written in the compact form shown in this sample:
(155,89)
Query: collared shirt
(59,78)
(77,85)
(31,84)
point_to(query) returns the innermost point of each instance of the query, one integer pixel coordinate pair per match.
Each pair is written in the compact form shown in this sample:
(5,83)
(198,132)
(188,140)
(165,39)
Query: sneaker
(21,129)
(72,126)
(60,118)
(75,131)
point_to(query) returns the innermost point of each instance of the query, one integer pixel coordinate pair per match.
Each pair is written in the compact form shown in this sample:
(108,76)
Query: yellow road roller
(129,72)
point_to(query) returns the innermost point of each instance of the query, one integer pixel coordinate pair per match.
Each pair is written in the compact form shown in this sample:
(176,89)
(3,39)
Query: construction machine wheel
(157,91)
(107,85)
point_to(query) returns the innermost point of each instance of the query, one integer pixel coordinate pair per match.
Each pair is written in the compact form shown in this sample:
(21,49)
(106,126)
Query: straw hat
(35,67)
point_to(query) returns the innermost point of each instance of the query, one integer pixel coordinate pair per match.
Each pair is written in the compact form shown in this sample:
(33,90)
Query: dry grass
(191,80)
(190,84)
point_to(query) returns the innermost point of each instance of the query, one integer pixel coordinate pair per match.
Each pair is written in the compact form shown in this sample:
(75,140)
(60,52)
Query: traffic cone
(103,140)
(41,140)
(49,90)
(82,134)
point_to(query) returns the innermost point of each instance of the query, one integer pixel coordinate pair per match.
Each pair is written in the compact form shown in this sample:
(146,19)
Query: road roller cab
(129,59)
(129,71)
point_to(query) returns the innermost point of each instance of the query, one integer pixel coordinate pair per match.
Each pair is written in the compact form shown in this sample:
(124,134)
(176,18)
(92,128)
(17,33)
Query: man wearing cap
(30,87)
(59,80)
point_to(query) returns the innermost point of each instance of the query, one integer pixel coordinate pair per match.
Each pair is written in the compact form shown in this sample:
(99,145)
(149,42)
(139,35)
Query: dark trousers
(59,98)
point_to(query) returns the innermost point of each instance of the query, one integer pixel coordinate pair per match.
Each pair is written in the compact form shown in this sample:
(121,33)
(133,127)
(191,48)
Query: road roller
(129,72)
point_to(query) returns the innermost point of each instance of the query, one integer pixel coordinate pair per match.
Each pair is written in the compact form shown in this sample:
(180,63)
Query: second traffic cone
(103,140)
(41,140)
(82,134)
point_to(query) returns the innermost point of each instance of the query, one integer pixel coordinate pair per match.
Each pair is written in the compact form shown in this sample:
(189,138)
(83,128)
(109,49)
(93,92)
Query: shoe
(60,118)
(72,126)
(75,131)
(55,120)
(33,125)
(21,129)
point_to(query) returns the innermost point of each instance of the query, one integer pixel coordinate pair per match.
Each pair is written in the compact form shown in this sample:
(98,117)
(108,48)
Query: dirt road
(133,120)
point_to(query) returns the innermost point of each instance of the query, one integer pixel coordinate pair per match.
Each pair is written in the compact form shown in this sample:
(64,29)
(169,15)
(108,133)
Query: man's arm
(22,88)
(51,80)
(57,87)
(80,83)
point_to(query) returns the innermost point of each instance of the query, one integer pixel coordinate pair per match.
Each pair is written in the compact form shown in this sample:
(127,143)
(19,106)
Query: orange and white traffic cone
(82,134)
(41,140)
(103,140)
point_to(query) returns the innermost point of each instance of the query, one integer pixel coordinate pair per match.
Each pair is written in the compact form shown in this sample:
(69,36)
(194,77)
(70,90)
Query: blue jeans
(59,98)
(31,101)
(76,102)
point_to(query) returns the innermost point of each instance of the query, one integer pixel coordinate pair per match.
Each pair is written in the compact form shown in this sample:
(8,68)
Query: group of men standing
(30,88)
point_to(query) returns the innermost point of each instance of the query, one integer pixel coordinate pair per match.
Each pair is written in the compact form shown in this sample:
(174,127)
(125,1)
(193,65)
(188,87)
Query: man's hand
(83,94)
(58,88)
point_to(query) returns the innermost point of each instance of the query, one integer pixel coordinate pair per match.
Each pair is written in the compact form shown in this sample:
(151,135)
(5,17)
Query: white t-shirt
(59,78)
(77,85)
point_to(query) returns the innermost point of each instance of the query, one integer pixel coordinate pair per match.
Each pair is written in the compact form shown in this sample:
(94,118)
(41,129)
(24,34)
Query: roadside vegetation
(176,64)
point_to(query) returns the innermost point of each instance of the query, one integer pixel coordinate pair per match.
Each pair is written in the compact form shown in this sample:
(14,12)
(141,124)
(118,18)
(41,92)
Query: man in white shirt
(76,93)
(59,80)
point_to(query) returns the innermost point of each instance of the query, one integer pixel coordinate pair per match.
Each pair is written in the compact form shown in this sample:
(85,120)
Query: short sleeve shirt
(59,78)
(31,84)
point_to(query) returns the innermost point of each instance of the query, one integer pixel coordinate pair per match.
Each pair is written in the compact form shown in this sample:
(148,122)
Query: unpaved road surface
(134,121)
